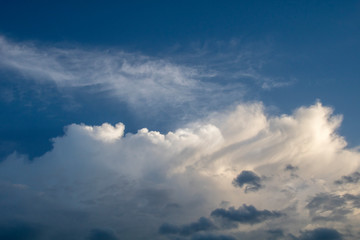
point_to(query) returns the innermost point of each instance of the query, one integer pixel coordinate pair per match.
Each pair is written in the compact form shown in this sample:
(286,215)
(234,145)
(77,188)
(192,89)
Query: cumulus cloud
(248,178)
(245,214)
(97,177)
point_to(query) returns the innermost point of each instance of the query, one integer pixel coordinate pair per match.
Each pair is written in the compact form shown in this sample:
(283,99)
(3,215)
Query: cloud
(246,214)
(354,199)
(353,178)
(275,234)
(98,177)
(99,234)
(250,179)
(320,234)
(140,81)
(291,168)
(19,231)
(203,224)
(236,60)
(212,237)
(330,207)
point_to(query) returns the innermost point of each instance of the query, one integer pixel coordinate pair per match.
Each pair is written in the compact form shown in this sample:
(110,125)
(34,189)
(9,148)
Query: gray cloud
(203,224)
(291,168)
(249,179)
(320,234)
(100,234)
(353,178)
(275,234)
(354,199)
(331,207)
(20,231)
(246,214)
(212,237)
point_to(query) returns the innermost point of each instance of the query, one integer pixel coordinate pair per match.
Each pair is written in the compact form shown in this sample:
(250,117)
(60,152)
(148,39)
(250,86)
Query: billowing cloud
(97,177)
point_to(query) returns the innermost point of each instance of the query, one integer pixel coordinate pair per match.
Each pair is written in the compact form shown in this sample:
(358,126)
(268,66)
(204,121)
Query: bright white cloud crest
(139,181)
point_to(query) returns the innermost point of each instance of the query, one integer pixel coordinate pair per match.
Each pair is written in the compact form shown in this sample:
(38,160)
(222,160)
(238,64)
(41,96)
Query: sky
(186,120)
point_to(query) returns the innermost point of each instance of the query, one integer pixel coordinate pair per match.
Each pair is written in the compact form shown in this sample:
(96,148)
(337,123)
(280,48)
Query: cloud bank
(98,181)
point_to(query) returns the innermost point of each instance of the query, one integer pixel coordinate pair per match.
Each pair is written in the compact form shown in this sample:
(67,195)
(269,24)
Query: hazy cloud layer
(96,181)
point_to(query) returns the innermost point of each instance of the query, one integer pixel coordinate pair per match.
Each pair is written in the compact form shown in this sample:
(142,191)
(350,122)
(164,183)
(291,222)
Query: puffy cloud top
(95,177)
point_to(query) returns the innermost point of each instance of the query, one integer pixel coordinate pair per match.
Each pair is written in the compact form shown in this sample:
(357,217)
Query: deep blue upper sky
(312,44)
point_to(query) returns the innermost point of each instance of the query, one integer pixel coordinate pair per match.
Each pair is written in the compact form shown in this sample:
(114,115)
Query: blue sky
(252,97)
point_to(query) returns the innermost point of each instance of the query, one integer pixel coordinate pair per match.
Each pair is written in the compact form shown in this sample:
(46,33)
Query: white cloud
(138,181)
(142,82)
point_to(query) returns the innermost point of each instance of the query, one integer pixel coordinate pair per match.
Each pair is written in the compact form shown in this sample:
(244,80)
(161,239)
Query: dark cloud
(100,234)
(246,214)
(354,199)
(333,204)
(353,178)
(19,231)
(290,167)
(249,179)
(203,224)
(275,234)
(320,234)
(167,228)
(150,197)
(212,237)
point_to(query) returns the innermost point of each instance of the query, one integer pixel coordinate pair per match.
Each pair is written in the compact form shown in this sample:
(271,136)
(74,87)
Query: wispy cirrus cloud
(198,81)
(136,79)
